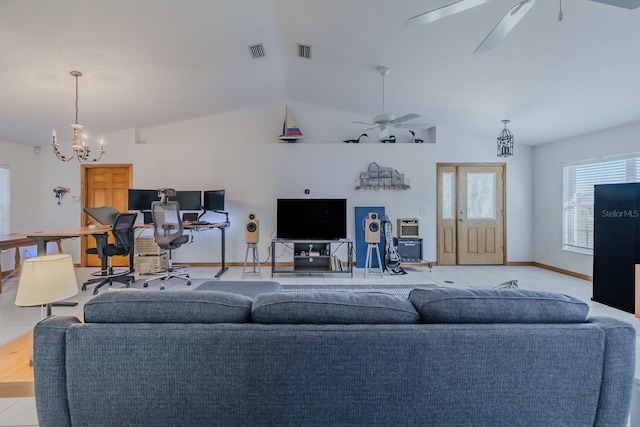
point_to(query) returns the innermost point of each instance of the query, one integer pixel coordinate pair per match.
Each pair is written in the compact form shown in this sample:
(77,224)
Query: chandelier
(78,141)
(505,142)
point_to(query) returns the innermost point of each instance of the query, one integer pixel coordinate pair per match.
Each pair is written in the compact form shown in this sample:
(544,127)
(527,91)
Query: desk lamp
(46,279)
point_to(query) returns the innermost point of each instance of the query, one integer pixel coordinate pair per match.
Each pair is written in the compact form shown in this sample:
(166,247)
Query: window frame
(578,181)
(5,199)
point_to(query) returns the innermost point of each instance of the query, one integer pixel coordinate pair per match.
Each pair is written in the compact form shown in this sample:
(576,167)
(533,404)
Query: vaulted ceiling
(151,62)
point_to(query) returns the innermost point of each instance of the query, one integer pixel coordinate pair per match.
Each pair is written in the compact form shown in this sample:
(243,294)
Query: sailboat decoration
(290,130)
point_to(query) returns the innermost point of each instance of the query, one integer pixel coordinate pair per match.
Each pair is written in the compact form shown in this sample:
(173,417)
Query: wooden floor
(16,374)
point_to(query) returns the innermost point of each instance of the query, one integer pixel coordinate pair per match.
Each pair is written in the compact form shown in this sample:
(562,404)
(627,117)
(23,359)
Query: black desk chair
(168,233)
(122,231)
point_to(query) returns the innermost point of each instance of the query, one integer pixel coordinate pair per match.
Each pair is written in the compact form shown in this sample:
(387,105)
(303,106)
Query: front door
(103,185)
(471,220)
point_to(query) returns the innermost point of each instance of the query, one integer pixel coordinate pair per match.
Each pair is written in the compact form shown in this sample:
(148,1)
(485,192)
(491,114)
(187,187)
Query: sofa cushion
(332,308)
(249,288)
(168,307)
(451,305)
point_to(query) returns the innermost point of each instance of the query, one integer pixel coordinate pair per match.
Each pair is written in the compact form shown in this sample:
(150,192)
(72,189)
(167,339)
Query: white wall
(548,161)
(239,152)
(25,206)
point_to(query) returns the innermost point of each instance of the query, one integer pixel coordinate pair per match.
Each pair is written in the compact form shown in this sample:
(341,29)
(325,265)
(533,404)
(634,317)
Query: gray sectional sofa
(442,357)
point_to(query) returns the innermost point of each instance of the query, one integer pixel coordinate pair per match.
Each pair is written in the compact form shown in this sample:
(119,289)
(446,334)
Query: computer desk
(43,237)
(15,241)
(222,226)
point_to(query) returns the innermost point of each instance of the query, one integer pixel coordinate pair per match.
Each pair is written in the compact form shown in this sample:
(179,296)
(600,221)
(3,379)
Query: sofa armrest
(49,370)
(618,371)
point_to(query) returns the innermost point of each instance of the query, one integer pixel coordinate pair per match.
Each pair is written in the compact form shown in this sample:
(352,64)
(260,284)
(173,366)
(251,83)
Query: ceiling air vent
(304,51)
(257,51)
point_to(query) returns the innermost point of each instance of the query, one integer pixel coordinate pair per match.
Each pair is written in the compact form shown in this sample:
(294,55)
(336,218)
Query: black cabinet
(314,256)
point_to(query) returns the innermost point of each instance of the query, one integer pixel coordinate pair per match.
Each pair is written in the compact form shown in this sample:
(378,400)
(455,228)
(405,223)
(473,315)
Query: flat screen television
(188,200)
(214,200)
(140,200)
(313,219)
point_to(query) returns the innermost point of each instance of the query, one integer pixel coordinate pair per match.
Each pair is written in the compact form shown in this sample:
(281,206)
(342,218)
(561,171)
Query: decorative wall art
(381,178)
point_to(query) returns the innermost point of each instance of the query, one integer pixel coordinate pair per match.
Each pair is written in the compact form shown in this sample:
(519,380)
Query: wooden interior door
(103,185)
(471,216)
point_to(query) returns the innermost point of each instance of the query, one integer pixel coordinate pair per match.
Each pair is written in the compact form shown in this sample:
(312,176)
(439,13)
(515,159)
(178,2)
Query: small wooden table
(16,373)
(16,241)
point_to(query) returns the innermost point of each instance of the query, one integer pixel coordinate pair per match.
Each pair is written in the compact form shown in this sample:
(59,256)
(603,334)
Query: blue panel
(362,213)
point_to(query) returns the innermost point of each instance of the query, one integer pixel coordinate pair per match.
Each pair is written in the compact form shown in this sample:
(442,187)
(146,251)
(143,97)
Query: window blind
(578,181)
(5,207)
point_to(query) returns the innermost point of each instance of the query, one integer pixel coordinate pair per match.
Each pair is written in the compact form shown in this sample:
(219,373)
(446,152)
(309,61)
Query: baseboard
(563,271)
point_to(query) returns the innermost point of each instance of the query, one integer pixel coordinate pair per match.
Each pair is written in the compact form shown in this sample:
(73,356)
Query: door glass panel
(448,195)
(481,196)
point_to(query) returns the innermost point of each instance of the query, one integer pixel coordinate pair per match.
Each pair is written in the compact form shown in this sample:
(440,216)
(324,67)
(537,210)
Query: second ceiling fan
(383,121)
(506,24)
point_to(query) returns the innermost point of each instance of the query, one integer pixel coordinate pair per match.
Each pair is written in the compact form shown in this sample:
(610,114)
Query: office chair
(168,235)
(122,231)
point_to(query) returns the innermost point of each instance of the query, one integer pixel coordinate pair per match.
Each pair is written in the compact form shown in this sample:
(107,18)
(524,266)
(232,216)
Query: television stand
(314,256)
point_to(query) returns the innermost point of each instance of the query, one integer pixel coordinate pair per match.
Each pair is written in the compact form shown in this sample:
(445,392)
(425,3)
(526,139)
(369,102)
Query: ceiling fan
(383,121)
(506,24)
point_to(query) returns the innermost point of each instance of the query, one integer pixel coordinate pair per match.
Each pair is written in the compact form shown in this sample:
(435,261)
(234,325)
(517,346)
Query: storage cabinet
(314,256)
(149,258)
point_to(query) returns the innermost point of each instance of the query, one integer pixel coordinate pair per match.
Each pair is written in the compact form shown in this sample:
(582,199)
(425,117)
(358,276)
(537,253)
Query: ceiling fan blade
(369,128)
(508,22)
(627,4)
(365,123)
(405,118)
(413,126)
(443,12)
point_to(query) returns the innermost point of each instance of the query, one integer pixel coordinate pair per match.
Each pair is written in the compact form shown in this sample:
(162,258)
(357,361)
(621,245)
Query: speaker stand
(256,261)
(367,266)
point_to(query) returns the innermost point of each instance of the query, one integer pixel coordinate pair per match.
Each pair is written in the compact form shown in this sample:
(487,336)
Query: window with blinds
(5,207)
(578,181)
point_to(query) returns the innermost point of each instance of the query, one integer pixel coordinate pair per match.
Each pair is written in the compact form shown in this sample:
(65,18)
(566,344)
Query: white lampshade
(46,279)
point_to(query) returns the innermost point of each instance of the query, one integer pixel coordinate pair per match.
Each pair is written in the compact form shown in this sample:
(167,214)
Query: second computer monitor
(140,200)
(214,200)
(188,200)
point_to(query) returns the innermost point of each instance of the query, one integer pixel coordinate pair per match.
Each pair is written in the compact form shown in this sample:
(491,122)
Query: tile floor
(15,321)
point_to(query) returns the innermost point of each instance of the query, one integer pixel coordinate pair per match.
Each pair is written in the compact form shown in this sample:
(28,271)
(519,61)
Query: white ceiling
(151,62)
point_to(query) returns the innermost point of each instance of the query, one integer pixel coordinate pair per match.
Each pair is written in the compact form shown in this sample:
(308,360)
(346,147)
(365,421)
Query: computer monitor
(188,200)
(140,200)
(214,200)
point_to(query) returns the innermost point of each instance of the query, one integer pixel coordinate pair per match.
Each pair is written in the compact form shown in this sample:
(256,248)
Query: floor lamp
(45,280)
